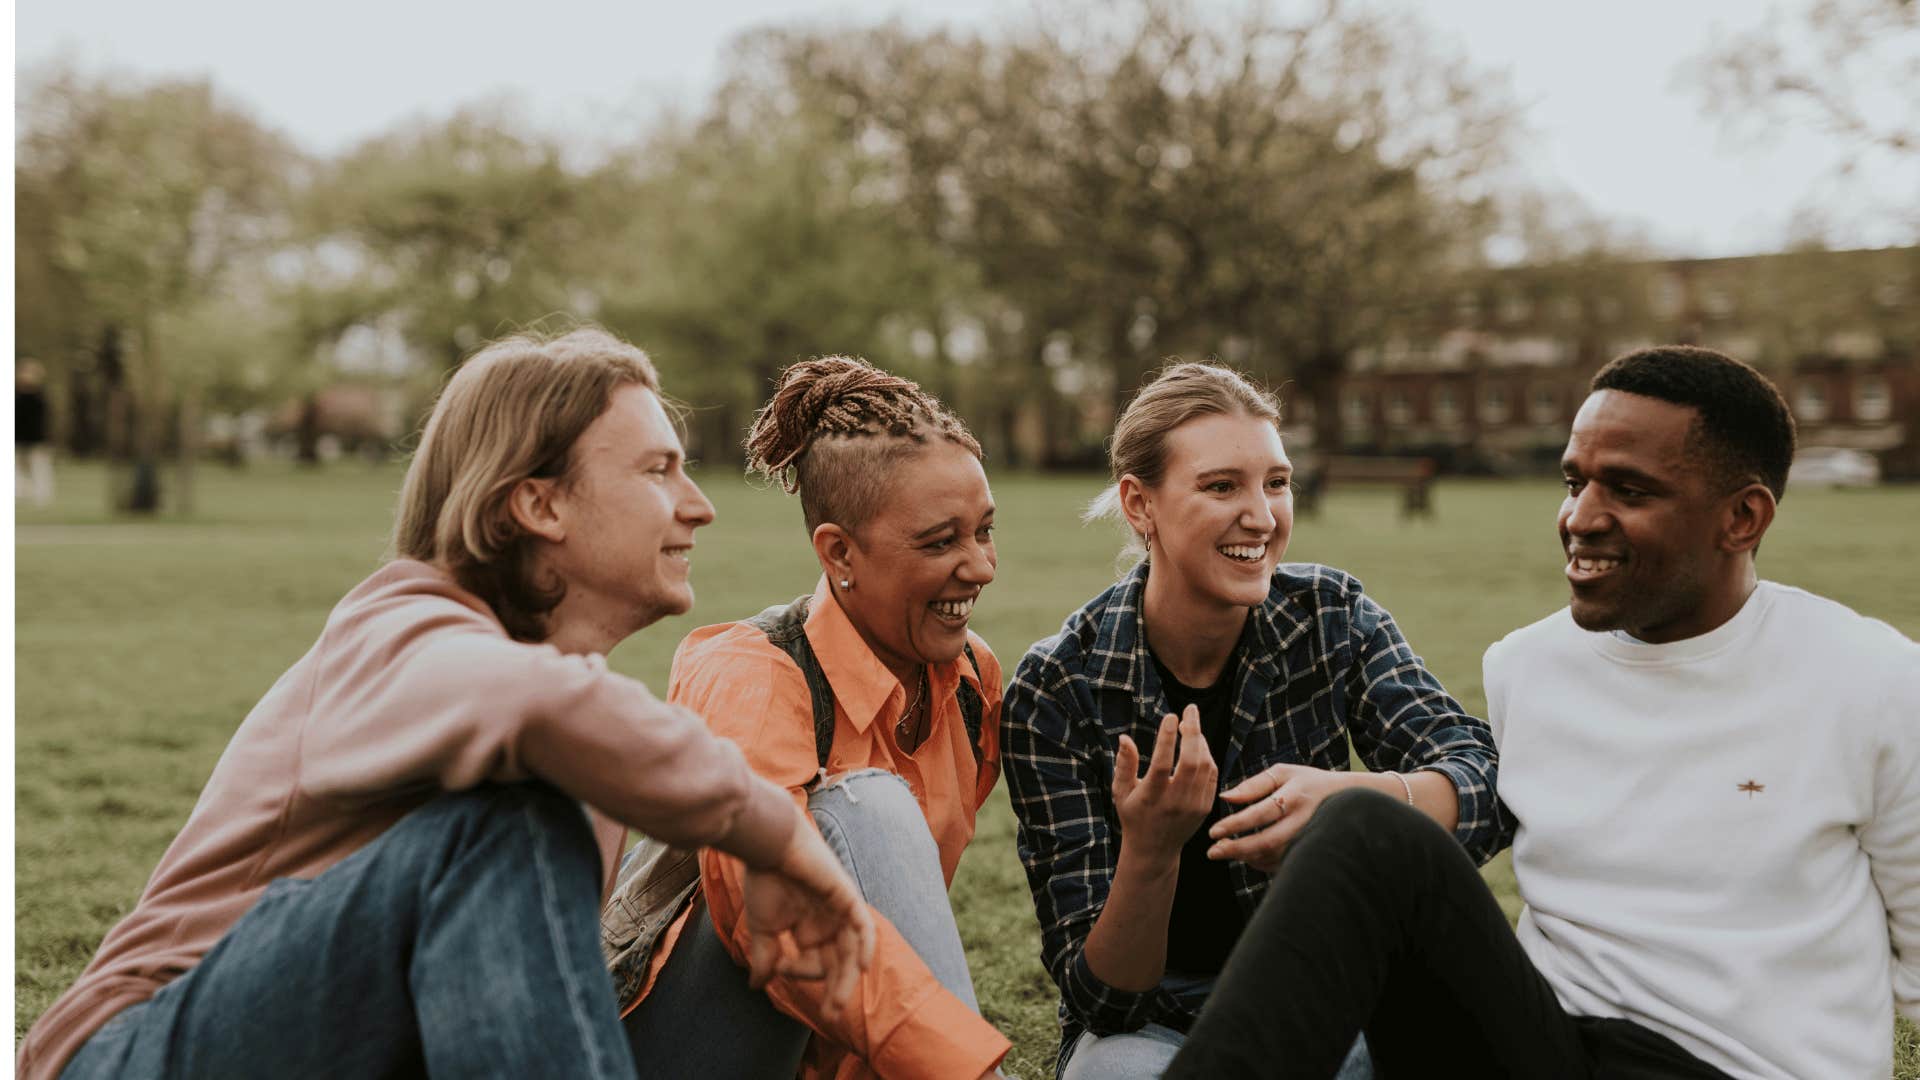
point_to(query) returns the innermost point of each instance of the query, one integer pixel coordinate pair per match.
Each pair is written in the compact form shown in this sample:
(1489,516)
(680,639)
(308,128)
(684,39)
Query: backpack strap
(786,628)
(972,709)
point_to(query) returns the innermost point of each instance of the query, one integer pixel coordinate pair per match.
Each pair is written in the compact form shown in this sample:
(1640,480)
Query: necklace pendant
(903,731)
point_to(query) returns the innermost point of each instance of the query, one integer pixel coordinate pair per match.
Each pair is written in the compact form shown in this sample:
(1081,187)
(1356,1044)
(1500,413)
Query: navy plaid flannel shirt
(1321,662)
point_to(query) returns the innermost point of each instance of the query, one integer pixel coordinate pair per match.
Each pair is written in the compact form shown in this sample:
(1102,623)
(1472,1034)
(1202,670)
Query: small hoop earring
(845,584)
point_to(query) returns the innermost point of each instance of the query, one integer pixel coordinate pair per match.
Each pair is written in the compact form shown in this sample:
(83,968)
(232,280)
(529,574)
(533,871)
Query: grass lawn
(141,647)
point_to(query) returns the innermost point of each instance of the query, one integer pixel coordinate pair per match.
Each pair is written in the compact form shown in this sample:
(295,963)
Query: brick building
(1491,380)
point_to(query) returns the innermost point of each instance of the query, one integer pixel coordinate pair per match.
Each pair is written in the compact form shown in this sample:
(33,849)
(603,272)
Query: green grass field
(141,647)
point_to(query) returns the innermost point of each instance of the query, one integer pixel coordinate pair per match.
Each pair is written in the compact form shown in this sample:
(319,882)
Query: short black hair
(1744,427)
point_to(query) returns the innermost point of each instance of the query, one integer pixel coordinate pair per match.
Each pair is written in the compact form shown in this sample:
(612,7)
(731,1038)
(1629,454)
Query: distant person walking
(32,452)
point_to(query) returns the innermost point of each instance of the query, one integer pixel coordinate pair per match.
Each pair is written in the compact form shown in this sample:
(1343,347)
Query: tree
(1851,67)
(752,238)
(1847,68)
(459,229)
(145,199)
(1172,179)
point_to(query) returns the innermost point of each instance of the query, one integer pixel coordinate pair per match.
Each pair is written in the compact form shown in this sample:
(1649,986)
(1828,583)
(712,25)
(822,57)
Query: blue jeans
(873,823)
(1146,1053)
(463,942)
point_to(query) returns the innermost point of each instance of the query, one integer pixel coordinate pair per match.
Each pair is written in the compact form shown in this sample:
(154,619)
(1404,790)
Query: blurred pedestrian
(32,439)
(1716,788)
(876,708)
(390,872)
(1217,666)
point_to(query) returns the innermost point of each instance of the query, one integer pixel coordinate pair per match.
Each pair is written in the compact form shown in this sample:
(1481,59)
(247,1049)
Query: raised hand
(1160,810)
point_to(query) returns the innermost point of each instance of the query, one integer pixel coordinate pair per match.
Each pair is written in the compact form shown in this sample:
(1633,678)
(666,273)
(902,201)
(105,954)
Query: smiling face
(919,563)
(1643,521)
(626,513)
(1221,515)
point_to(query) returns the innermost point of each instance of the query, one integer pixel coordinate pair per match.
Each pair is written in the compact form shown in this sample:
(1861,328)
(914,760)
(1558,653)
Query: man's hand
(1160,810)
(1278,801)
(806,920)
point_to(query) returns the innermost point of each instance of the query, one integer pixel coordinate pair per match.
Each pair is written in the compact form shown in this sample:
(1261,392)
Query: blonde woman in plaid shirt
(1240,681)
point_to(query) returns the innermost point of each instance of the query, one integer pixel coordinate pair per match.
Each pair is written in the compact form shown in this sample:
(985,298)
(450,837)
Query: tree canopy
(1028,219)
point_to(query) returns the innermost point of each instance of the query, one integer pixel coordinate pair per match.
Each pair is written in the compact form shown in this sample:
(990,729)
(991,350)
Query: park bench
(1412,475)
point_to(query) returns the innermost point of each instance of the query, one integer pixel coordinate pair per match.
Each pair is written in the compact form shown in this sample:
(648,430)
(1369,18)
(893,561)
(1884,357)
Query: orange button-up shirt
(902,1023)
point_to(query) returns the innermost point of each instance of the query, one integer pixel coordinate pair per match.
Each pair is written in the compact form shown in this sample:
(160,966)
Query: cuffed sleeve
(1108,1010)
(902,1022)
(1402,719)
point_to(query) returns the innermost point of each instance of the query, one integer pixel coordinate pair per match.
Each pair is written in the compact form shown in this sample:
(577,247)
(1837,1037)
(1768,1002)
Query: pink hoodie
(413,689)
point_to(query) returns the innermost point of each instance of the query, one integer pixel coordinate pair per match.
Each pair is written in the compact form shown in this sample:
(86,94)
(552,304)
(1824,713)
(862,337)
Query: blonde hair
(1178,393)
(512,411)
(834,428)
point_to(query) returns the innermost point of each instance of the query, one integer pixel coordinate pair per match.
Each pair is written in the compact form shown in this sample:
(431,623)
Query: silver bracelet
(1404,784)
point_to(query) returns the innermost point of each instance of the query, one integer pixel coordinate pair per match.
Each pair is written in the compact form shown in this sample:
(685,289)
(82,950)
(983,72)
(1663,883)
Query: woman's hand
(1277,803)
(1160,810)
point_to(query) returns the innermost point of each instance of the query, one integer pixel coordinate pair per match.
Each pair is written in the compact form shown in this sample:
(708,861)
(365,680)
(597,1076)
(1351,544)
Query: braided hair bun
(866,416)
(833,395)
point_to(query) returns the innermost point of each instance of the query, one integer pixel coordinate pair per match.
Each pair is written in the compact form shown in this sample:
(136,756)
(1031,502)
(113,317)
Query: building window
(1856,344)
(1357,407)
(1810,401)
(1871,399)
(1446,404)
(1399,406)
(1667,296)
(1493,404)
(1545,406)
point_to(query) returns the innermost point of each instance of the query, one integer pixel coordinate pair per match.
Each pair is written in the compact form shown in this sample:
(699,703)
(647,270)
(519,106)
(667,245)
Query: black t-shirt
(1206,919)
(29,417)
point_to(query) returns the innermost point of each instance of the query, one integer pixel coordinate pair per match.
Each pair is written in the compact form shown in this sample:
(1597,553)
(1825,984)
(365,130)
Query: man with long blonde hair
(389,871)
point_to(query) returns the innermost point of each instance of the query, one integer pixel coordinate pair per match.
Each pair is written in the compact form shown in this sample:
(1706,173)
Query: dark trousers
(1376,920)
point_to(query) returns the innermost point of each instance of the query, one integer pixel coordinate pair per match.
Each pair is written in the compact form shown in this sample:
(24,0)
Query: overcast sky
(1609,120)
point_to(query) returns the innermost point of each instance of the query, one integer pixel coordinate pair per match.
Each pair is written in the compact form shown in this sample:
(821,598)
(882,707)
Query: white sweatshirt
(1719,838)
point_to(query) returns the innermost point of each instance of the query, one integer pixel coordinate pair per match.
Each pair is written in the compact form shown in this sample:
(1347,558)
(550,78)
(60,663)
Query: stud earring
(845,584)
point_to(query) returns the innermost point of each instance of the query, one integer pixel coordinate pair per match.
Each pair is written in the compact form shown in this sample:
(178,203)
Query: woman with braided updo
(872,703)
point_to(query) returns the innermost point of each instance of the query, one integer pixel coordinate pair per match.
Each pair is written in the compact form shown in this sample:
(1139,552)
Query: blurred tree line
(1027,221)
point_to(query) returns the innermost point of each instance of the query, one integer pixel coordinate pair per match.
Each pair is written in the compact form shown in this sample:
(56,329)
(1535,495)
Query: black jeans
(1376,920)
